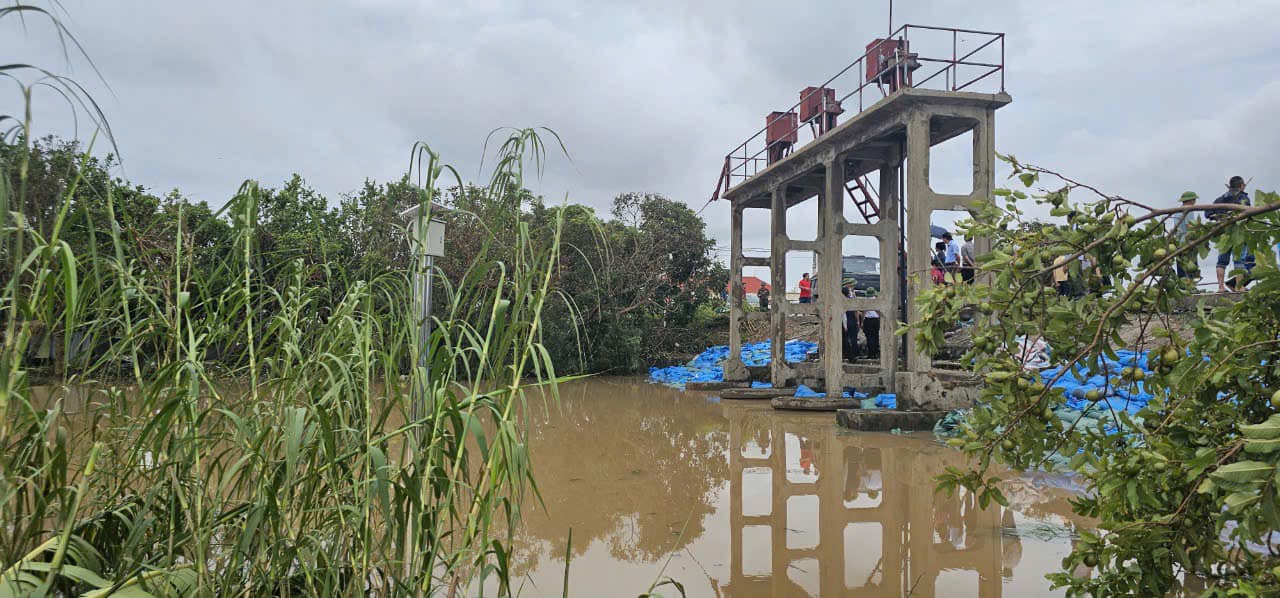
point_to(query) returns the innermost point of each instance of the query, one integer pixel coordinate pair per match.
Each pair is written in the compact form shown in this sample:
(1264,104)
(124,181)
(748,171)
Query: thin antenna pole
(890,17)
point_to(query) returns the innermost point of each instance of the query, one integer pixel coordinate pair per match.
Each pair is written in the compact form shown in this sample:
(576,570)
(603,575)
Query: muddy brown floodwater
(748,501)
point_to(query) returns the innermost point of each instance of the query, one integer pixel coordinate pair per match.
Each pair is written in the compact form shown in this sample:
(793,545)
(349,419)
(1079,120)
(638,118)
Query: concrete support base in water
(883,420)
(814,403)
(756,393)
(938,390)
(714,385)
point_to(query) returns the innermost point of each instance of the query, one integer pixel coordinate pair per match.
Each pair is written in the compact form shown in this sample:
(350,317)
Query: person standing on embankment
(1184,221)
(806,289)
(1235,195)
(951,259)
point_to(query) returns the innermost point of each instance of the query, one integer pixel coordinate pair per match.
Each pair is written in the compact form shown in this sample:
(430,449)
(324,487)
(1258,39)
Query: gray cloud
(1145,98)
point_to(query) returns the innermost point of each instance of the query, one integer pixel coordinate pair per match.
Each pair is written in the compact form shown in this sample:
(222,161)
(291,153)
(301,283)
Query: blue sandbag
(887,401)
(1076,384)
(707,366)
(759,384)
(804,392)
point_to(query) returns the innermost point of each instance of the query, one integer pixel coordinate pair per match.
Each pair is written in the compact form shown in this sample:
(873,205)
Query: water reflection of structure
(880,528)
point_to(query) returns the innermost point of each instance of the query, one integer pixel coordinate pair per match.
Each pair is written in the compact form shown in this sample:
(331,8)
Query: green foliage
(1187,487)
(247,414)
(630,289)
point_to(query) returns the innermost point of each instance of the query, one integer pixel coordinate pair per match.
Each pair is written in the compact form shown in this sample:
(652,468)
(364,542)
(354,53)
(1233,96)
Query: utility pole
(427,234)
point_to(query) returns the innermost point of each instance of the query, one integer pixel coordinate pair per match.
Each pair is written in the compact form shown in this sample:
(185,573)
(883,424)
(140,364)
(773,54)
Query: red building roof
(751,285)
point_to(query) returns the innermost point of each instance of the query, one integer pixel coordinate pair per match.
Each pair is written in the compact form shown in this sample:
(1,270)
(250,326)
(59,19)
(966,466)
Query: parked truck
(863,272)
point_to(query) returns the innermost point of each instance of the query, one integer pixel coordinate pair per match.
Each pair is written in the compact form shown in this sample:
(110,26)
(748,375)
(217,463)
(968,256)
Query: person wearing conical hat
(1185,220)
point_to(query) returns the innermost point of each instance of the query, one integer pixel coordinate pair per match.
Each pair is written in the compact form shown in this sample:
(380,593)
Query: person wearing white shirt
(1183,222)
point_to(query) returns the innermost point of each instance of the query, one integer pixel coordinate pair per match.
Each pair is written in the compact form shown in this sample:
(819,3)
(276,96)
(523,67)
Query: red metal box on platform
(815,101)
(880,56)
(781,126)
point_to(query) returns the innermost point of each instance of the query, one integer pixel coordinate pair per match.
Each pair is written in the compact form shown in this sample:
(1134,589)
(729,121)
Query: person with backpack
(1235,195)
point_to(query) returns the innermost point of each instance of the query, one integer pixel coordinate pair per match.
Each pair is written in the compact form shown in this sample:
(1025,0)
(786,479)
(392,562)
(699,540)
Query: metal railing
(975,70)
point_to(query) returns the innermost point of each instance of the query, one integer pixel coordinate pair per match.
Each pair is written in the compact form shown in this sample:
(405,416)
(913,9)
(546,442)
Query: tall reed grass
(240,442)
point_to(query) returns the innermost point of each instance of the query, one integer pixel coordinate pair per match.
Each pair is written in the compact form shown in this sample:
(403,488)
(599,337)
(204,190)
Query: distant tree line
(637,287)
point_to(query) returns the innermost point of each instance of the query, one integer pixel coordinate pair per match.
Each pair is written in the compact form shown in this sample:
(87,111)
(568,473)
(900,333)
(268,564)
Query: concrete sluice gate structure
(888,141)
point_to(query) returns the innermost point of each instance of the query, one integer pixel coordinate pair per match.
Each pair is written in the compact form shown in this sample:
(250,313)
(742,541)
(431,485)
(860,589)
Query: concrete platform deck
(867,141)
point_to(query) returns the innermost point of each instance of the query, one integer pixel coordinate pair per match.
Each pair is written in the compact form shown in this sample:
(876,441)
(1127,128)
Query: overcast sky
(1144,99)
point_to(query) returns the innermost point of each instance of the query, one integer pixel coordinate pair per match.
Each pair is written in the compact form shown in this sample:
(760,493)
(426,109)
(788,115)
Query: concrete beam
(880,230)
(801,309)
(877,303)
(802,245)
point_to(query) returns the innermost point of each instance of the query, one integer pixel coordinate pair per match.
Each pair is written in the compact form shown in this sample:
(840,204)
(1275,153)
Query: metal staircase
(865,198)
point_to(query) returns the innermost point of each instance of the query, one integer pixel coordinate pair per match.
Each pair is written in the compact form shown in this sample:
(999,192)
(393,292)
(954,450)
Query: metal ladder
(866,200)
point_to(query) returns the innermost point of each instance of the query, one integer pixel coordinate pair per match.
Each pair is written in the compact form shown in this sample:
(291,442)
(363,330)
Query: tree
(630,290)
(1186,488)
(370,221)
(634,284)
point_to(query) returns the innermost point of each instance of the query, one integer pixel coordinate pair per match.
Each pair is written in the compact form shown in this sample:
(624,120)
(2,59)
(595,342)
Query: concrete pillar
(832,304)
(779,371)
(734,369)
(984,155)
(890,285)
(920,206)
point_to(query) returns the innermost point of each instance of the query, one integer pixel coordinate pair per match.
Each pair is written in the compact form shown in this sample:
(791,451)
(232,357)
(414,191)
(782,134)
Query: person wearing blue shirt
(1235,195)
(951,259)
